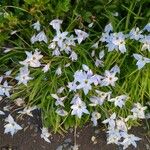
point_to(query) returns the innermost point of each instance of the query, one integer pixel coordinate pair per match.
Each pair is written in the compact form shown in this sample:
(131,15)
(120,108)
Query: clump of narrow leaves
(77,74)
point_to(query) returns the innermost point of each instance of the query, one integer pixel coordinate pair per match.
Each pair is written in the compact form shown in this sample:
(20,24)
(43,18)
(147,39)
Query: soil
(87,138)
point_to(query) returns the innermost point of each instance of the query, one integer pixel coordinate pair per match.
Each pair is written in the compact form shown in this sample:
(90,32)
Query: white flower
(103,95)
(59,100)
(95,45)
(56,23)
(72,86)
(33,39)
(99,100)
(27,111)
(114,136)
(11,126)
(146,43)
(60,90)
(96,101)
(70,40)
(23,76)
(93,53)
(41,37)
(120,125)
(141,60)
(101,54)
(129,139)
(32,60)
(115,41)
(108,28)
(78,107)
(56,52)
(61,112)
(36,26)
(46,68)
(119,41)
(59,38)
(2,113)
(135,34)
(98,61)
(115,69)
(58,71)
(109,79)
(147,27)
(119,100)
(95,117)
(65,47)
(4,88)
(8,73)
(111,121)
(52,45)
(85,67)
(84,79)
(138,111)
(45,135)
(81,35)
(106,37)
(73,56)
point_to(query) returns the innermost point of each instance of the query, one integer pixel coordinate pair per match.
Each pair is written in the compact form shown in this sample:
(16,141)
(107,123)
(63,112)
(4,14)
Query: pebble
(71,130)
(36,129)
(59,147)
(96,131)
(68,140)
(147,147)
(93,139)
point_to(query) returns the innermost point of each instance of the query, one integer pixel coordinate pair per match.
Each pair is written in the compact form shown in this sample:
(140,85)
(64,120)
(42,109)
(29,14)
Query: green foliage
(20,15)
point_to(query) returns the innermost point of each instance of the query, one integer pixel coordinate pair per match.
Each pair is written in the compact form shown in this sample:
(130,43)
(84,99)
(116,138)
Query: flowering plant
(73,76)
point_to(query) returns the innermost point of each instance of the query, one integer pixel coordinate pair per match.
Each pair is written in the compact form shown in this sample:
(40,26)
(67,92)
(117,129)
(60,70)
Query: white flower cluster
(85,81)
(12,127)
(118,132)
(117,41)
(4,87)
(118,128)
(63,42)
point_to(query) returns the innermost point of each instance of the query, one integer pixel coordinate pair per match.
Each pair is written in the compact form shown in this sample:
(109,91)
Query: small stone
(65,145)
(59,147)
(31,127)
(147,147)
(36,129)
(96,131)
(93,139)
(71,130)
(75,147)
(67,140)
(77,135)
